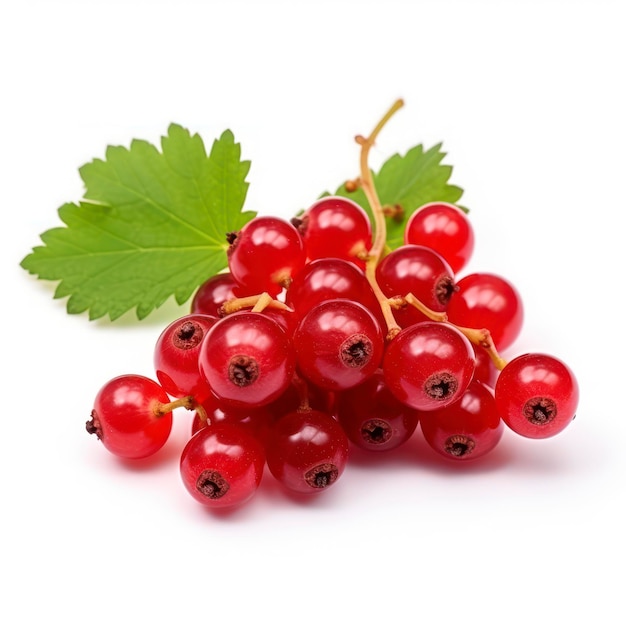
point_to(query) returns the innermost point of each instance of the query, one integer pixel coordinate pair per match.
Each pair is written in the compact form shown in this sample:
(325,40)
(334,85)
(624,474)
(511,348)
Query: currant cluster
(316,339)
(304,348)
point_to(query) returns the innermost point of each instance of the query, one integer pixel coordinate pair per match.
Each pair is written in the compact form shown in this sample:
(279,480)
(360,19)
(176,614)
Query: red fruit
(222,465)
(176,356)
(265,255)
(488,301)
(537,395)
(339,344)
(444,228)
(212,294)
(466,429)
(373,418)
(428,365)
(335,227)
(127,416)
(285,318)
(485,370)
(307,451)
(329,279)
(418,270)
(256,420)
(292,399)
(247,359)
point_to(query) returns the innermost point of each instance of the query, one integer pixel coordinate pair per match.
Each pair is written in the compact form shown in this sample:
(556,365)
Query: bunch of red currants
(307,346)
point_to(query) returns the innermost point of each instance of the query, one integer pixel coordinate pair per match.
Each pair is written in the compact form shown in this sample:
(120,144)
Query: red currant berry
(247,359)
(128,416)
(307,451)
(420,271)
(176,356)
(285,318)
(444,228)
(466,429)
(265,255)
(488,301)
(212,294)
(329,279)
(428,365)
(485,371)
(222,465)
(300,393)
(537,395)
(335,227)
(339,344)
(373,418)
(256,420)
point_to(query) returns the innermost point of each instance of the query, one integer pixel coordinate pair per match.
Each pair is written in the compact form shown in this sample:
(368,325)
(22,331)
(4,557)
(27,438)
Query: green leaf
(151,225)
(409,182)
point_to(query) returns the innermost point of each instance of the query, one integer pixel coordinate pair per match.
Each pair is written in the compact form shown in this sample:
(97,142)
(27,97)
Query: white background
(527,98)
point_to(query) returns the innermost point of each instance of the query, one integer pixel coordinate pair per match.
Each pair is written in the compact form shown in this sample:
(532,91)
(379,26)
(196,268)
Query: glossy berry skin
(247,359)
(329,279)
(222,465)
(537,395)
(418,270)
(126,416)
(255,419)
(373,418)
(212,294)
(466,429)
(339,344)
(446,229)
(292,398)
(176,356)
(428,365)
(307,451)
(488,301)
(336,227)
(485,371)
(265,255)
(285,318)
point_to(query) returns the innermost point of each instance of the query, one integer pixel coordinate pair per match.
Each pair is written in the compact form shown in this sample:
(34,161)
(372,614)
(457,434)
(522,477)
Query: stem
(302,388)
(186,402)
(257,303)
(481,337)
(202,414)
(366,181)
(367,184)
(385,303)
(436,316)
(262,303)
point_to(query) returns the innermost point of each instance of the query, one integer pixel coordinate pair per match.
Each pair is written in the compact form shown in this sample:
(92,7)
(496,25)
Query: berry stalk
(366,181)
(187,402)
(258,303)
(367,184)
(479,337)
